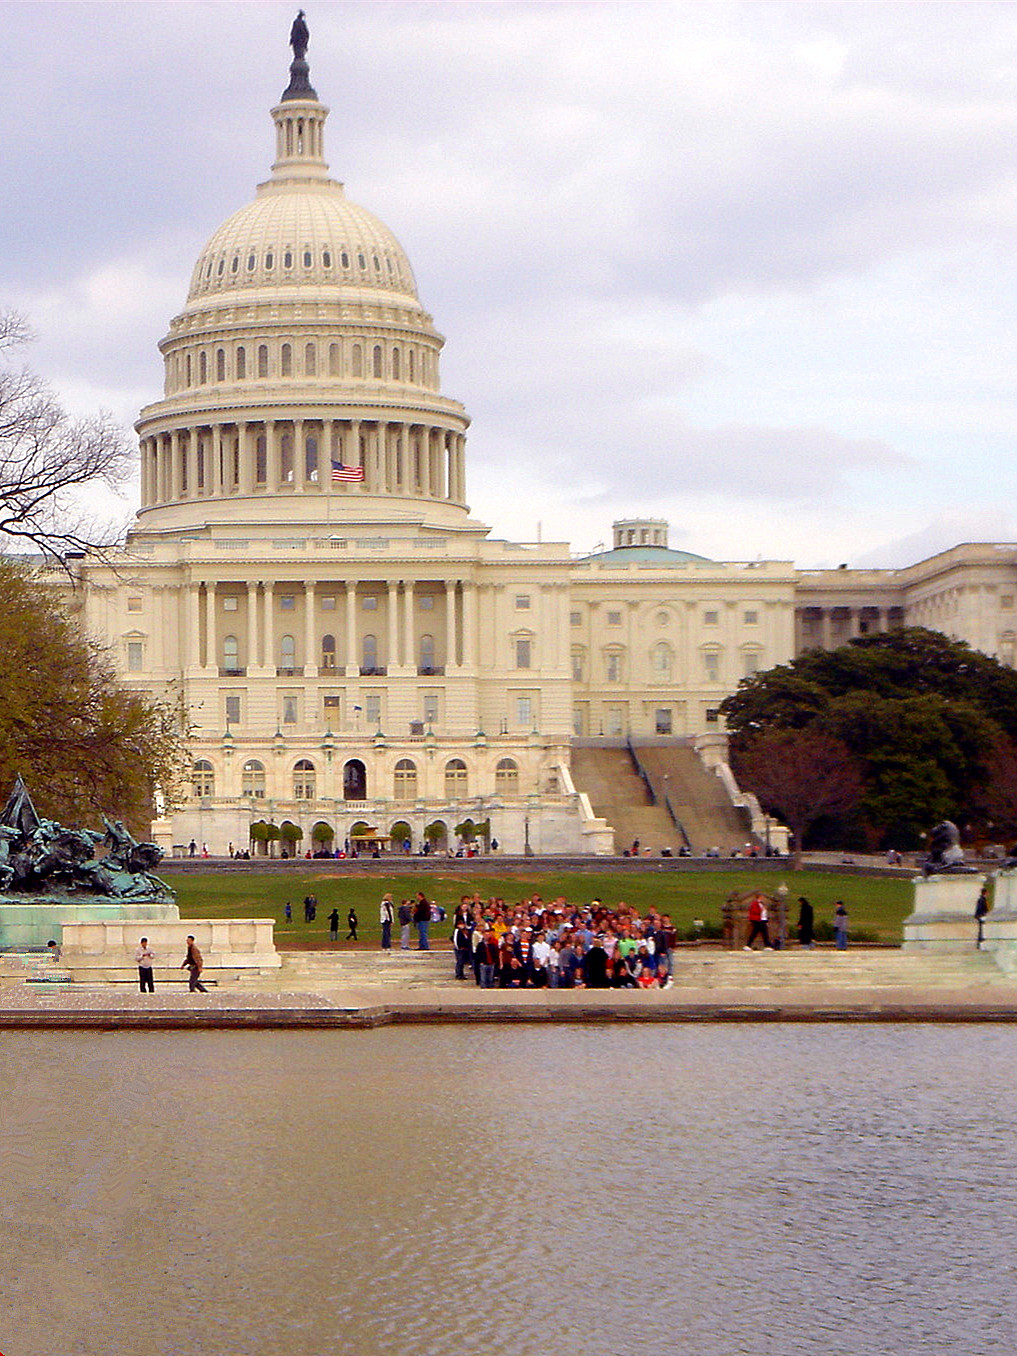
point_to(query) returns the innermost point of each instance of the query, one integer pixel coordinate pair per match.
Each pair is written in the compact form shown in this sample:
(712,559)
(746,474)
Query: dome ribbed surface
(303,233)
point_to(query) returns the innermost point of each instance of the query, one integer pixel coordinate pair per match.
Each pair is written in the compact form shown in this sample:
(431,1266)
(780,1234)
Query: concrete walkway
(344,989)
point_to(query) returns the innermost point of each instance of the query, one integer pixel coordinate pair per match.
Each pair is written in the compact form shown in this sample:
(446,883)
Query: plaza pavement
(360,989)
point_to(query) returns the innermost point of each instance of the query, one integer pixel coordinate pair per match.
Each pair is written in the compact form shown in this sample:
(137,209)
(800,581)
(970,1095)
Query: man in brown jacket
(194,965)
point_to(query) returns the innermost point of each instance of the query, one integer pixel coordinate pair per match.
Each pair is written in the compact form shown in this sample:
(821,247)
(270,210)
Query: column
(392,659)
(174,456)
(409,649)
(352,457)
(143,480)
(310,636)
(213,473)
(326,454)
(404,455)
(192,605)
(273,448)
(247,436)
(253,658)
(451,645)
(192,463)
(270,654)
(299,456)
(352,656)
(825,632)
(469,625)
(211,652)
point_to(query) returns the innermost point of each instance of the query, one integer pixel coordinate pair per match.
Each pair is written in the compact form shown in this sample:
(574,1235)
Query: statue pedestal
(944,913)
(1000,932)
(232,949)
(28,922)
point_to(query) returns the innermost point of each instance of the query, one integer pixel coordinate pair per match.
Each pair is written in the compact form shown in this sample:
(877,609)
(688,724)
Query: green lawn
(876,905)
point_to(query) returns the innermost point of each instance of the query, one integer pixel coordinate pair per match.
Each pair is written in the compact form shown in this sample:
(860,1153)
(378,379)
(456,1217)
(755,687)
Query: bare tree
(47,458)
(799,776)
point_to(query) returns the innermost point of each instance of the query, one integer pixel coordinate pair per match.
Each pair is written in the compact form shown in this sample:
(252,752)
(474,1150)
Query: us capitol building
(355,651)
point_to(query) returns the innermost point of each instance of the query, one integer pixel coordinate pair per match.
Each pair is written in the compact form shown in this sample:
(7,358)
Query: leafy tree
(322,832)
(919,714)
(800,777)
(47,458)
(83,743)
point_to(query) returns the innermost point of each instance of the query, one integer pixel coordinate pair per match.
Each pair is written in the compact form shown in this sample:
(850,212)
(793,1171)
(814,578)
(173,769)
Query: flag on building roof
(341,472)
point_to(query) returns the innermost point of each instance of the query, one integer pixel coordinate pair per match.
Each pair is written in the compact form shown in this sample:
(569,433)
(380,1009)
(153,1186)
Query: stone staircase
(698,797)
(857,967)
(619,795)
(367,969)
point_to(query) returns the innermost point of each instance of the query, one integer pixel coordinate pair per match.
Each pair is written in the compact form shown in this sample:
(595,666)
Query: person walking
(981,909)
(351,923)
(806,923)
(333,926)
(758,919)
(144,956)
(840,925)
(386,915)
(193,963)
(288,911)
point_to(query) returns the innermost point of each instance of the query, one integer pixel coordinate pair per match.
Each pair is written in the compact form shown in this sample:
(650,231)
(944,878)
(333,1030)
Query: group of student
(557,945)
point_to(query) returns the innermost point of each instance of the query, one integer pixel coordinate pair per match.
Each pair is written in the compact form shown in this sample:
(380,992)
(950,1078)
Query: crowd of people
(557,945)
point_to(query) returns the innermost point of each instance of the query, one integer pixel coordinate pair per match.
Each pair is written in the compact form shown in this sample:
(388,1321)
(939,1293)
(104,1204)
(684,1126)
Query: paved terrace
(365,989)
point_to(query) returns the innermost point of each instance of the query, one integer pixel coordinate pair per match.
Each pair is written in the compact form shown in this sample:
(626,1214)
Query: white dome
(302,232)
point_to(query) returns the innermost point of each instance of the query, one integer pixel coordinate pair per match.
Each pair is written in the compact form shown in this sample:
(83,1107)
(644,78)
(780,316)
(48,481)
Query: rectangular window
(230,603)
(750,664)
(328,602)
(711,618)
(331,701)
(289,710)
(752,619)
(370,603)
(615,722)
(523,655)
(575,619)
(135,656)
(134,604)
(524,711)
(577,668)
(712,715)
(372,708)
(614,619)
(614,668)
(288,602)
(1006,602)
(711,667)
(430,708)
(578,721)
(662,721)
(522,602)
(233,708)
(427,602)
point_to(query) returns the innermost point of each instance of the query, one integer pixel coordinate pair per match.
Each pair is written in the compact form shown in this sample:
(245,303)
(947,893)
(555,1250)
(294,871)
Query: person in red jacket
(758,918)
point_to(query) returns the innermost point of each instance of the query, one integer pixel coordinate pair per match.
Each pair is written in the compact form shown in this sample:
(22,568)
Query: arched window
(286,459)
(614,666)
(333,360)
(187,370)
(311,459)
(220,364)
(455,779)
(253,779)
(261,460)
(370,661)
(395,365)
(202,368)
(578,664)
(661,660)
(358,361)
(288,259)
(412,378)
(328,652)
(304,780)
(202,780)
(405,780)
(262,360)
(310,360)
(376,360)
(506,777)
(287,653)
(241,364)
(427,654)
(286,360)
(230,654)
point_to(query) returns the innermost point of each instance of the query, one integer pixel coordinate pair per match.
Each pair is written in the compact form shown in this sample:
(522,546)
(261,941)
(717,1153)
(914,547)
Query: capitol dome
(302,369)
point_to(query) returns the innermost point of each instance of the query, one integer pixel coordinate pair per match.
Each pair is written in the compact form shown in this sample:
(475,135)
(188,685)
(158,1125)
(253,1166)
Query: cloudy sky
(749,267)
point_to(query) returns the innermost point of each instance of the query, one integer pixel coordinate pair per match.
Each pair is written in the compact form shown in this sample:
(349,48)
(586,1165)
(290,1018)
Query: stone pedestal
(27,923)
(944,913)
(1000,933)
(231,948)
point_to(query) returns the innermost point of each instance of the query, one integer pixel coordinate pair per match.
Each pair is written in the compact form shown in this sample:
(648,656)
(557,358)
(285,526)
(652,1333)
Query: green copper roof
(644,555)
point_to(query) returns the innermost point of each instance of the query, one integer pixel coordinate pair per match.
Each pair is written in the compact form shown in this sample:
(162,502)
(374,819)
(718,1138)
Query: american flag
(341,472)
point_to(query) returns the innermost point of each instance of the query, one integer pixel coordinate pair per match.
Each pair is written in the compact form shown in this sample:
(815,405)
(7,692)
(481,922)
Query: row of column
(878,620)
(214,460)
(204,641)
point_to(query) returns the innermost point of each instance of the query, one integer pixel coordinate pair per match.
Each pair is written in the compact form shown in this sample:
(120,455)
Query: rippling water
(766,1190)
